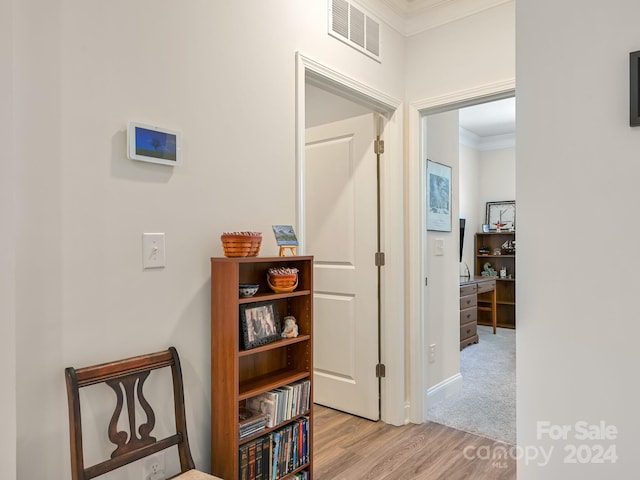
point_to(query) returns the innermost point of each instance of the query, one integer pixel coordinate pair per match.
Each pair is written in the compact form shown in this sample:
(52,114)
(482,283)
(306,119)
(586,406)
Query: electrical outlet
(432,353)
(154,467)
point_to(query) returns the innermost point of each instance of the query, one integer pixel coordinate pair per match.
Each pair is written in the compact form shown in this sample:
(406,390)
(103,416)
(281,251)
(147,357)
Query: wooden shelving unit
(505,287)
(238,374)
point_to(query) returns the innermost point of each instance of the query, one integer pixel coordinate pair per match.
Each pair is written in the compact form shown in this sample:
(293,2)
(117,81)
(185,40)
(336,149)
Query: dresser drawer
(468,290)
(486,286)
(468,315)
(468,330)
(468,302)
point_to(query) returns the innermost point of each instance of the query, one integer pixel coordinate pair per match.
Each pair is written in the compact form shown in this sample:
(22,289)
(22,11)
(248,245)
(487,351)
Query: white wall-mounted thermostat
(147,143)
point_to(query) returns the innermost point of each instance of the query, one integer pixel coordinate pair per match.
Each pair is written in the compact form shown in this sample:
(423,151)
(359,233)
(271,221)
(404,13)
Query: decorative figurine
(290,329)
(487,271)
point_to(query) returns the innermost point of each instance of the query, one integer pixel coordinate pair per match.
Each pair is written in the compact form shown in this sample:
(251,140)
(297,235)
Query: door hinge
(378,147)
(380,370)
(426,281)
(379,259)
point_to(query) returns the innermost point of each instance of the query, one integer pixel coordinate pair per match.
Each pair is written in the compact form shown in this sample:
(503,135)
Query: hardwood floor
(352,448)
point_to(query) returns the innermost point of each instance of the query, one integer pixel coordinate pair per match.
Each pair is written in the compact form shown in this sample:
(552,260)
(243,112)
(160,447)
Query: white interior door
(340,215)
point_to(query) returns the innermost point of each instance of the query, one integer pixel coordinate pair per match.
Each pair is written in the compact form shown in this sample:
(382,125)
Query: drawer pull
(468,315)
(468,330)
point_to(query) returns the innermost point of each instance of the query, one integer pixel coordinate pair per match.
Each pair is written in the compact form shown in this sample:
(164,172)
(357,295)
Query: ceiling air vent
(354,26)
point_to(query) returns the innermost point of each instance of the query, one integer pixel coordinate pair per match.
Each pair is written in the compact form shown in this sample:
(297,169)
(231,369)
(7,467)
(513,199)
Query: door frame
(417,253)
(393,407)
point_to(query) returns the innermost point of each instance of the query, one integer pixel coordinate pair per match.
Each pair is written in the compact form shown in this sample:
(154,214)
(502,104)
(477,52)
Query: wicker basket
(241,245)
(283,283)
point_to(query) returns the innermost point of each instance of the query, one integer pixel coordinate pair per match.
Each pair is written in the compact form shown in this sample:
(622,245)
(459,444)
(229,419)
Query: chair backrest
(127,375)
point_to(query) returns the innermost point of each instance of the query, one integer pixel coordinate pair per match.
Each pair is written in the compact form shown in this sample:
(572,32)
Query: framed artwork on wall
(634,89)
(501,213)
(438,197)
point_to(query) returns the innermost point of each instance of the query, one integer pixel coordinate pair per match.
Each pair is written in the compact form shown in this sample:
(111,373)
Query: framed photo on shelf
(260,324)
(503,213)
(438,197)
(284,235)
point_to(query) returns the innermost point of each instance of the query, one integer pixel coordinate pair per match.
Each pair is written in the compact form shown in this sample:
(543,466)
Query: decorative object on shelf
(509,247)
(250,421)
(438,197)
(485,227)
(282,279)
(634,85)
(248,289)
(241,244)
(501,216)
(285,238)
(487,271)
(290,329)
(484,250)
(503,273)
(260,324)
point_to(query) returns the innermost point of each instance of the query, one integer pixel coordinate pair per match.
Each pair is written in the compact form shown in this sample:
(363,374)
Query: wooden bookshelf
(238,374)
(505,287)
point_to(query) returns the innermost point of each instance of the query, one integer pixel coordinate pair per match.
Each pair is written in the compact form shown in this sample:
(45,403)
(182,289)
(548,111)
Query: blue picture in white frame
(438,197)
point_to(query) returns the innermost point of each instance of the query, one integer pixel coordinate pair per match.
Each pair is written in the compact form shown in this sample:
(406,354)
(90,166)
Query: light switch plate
(153,250)
(439,244)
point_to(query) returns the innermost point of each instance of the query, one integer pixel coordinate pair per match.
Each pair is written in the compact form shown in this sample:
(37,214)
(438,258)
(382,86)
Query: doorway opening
(481,139)
(356,99)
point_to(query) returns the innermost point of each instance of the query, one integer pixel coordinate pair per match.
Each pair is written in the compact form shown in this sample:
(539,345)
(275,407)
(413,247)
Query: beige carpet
(487,403)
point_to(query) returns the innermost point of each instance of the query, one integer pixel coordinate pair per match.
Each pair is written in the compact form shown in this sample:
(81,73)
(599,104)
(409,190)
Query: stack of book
(251,422)
(282,404)
(277,454)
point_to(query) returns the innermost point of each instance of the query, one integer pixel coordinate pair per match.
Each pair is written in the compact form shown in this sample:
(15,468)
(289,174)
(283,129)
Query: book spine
(276,448)
(252,461)
(244,463)
(266,457)
(258,459)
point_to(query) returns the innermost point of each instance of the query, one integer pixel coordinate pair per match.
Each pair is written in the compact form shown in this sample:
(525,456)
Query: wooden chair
(129,375)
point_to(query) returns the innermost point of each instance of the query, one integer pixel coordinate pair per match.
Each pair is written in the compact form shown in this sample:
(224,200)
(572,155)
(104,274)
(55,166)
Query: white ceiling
(490,119)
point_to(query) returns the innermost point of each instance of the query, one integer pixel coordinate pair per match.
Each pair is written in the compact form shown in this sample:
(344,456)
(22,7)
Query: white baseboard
(442,390)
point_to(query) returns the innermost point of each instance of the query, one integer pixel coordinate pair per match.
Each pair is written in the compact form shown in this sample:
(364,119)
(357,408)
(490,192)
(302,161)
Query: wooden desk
(470,288)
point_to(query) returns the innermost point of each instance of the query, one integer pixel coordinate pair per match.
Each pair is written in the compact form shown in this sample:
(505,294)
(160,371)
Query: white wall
(480,51)
(7,248)
(470,185)
(577,183)
(322,107)
(497,177)
(472,52)
(442,291)
(485,176)
(221,72)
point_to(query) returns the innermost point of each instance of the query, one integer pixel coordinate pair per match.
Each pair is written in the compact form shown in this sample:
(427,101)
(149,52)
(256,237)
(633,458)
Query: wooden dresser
(469,290)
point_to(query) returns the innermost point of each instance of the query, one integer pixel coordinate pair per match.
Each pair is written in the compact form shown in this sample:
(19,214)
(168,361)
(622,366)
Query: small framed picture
(260,324)
(438,197)
(285,235)
(485,228)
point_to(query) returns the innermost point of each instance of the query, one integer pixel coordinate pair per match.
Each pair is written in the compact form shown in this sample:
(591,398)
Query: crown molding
(412,17)
(484,144)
